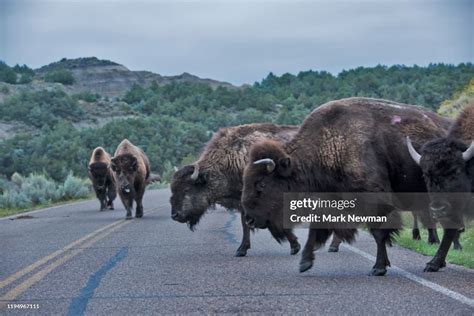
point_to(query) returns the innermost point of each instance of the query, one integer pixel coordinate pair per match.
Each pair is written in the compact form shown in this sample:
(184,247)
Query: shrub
(87,96)
(14,199)
(39,189)
(23,192)
(74,188)
(62,76)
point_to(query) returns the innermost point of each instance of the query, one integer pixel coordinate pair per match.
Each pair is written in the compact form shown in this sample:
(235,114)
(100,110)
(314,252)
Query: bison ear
(284,167)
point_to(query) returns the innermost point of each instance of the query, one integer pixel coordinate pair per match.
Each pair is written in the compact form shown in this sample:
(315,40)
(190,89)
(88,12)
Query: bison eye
(260,186)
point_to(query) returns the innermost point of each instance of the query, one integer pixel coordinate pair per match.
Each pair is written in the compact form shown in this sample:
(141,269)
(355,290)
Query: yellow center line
(19,274)
(43,260)
(38,276)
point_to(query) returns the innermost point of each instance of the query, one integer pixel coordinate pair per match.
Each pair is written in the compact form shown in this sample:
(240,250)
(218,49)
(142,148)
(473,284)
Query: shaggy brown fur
(446,171)
(102,178)
(349,145)
(218,177)
(131,170)
(463,127)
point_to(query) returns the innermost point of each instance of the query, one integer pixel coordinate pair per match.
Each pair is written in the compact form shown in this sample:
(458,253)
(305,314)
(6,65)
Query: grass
(464,257)
(9,212)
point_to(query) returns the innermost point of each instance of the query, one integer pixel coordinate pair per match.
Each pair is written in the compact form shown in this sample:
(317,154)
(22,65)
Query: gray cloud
(238,41)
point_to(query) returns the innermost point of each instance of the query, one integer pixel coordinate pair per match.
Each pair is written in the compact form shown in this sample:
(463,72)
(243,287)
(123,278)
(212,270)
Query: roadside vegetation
(464,257)
(36,190)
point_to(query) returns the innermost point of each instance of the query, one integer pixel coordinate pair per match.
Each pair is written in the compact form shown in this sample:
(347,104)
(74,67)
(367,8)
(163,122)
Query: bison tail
(154,177)
(346,235)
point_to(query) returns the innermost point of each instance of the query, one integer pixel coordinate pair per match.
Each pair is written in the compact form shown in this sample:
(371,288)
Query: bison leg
(415,233)
(456,243)
(293,240)
(336,241)
(316,238)
(128,203)
(433,236)
(102,204)
(140,191)
(102,198)
(439,260)
(245,244)
(111,194)
(382,237)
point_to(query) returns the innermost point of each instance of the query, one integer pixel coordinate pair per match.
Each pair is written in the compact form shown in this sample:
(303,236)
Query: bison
(447,165)
(131,171)
(102,178)
(216,177)
(348,145)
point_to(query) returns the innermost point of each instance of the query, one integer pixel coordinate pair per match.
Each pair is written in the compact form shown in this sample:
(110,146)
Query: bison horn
(469,153)
(195,174)
(268,162)
(413,153)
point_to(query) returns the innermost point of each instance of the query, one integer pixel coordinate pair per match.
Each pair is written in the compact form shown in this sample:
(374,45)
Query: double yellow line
(84,242)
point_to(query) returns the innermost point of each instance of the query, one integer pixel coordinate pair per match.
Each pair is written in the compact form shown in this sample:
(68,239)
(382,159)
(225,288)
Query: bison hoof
(433,241)
(128,216)
(139,215)
(295,248)
(431,268)
(333,249)
(434,267)
(241,251)
(378,271)
(416,235)
(457,247)
(305,265)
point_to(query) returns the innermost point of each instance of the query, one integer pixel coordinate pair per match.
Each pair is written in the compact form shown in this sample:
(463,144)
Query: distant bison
(102,178)
(216,178)
(132,171)
(348,145)
(448,167)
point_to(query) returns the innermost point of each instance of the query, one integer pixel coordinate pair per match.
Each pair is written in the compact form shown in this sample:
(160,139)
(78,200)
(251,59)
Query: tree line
(173,122)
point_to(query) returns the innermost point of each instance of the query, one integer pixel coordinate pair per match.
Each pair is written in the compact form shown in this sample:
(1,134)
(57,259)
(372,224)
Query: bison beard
(349,145)
(216,178)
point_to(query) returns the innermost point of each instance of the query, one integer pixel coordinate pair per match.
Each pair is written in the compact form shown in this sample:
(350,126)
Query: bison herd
(348,145)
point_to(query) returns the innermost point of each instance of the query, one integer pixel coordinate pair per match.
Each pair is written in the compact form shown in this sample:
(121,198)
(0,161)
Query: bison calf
(102,178)
(131,171)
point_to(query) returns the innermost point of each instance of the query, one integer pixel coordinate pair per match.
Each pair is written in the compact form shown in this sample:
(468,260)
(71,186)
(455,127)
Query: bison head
(192,194)
(98,172)
(266,178)
(125,167)
(447,167)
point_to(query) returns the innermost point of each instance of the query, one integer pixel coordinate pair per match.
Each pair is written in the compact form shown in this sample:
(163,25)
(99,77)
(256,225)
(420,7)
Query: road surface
(75,260)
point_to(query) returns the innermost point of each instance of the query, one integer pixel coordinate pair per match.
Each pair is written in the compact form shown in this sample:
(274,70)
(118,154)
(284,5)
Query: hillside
(51,127)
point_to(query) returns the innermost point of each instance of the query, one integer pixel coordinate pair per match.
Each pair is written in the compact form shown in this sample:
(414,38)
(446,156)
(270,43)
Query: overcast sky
(238,41)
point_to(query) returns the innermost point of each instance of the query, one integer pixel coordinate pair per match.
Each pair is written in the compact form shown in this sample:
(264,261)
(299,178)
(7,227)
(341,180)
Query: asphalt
(75,260)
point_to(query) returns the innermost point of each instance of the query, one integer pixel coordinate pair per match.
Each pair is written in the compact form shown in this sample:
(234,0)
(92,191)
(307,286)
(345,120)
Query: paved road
(73,259)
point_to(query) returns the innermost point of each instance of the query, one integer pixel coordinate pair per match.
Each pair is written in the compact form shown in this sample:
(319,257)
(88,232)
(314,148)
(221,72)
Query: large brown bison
(102,178)
(131,170)
(216,177)
(348,145)
(448,170)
